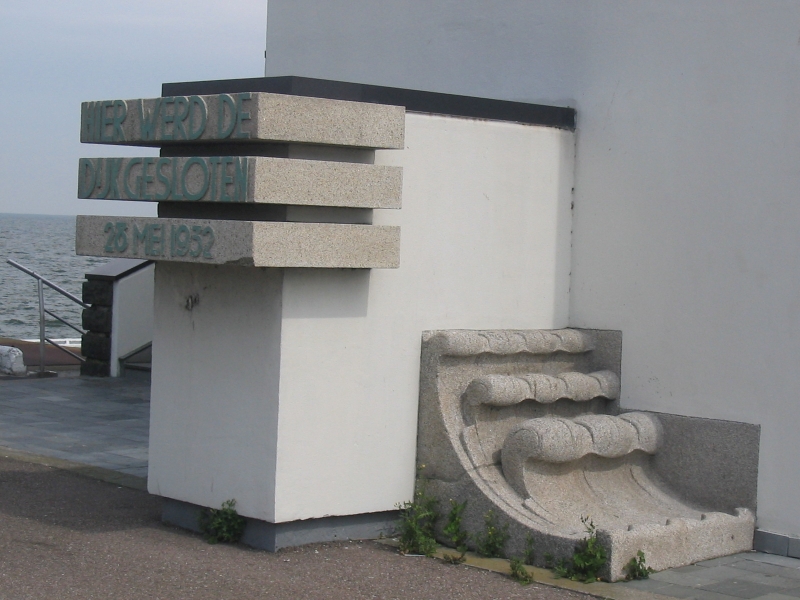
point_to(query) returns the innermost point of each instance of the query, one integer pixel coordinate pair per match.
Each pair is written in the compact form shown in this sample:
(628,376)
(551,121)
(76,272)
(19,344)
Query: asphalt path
(63,535)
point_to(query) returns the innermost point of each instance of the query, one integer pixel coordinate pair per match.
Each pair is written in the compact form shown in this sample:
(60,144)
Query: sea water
(44,244)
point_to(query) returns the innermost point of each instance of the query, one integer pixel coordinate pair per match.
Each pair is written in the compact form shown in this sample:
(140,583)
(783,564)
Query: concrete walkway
(746,575)
(99,422)
(104,423)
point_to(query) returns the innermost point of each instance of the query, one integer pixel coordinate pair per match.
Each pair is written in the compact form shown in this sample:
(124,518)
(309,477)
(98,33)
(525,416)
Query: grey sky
(55,54)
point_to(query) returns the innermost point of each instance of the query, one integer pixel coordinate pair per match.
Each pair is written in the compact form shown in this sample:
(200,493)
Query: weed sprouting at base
(417,523)
(223,524)
(455,532)
(530,550)
(491,543)
(588,559)
(637,568)
(519,572)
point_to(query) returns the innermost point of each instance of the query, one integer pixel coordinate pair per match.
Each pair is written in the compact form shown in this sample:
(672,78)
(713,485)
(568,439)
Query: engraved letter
(87,121)
(118,135)
(225,180)
(163,162)
(222,130)
(194,160)
(102,180)
(241,163)
(126,180)
(138,236)
(213,161)
(146,177)
(181,112)
(86,177)
(148,119)
(166,117)
(112,173)
(202,112)
(105,120)
(242,116)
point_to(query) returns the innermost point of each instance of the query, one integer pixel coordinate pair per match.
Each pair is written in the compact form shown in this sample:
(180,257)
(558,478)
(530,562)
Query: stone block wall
(96,320)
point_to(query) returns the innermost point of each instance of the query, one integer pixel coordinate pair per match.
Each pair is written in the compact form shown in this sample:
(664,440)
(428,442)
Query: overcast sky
(56,54)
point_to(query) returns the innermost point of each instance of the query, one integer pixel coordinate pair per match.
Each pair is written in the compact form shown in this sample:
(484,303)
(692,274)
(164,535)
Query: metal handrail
(123,360)
(67,323)
(42,311)
(60,290)
(138,350)
(63,349)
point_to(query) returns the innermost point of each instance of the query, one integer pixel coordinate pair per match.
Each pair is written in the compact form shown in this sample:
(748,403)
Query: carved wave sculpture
(560,440)
(505,390)
(527,424)
(468,343)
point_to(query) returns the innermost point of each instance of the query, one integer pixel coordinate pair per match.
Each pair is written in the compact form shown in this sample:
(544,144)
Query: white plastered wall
(686,213)
(295,391)
(485,229)
(131,314)
(214,392)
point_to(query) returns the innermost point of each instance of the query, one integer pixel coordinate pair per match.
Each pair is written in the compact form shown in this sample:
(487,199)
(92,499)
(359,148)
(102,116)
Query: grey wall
(685,205)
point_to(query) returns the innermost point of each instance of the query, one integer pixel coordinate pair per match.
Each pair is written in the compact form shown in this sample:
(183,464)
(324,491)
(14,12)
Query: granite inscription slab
(242,117)
(243,243)
(241,179)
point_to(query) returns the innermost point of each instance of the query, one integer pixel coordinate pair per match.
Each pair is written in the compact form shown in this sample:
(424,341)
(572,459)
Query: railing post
(41,326)
(41,282)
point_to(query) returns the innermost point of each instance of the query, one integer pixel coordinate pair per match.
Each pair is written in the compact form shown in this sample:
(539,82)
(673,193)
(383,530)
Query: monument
(289,360)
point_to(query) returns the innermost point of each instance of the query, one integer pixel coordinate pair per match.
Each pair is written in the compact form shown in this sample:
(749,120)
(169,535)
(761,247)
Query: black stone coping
(117,269)
(413,100)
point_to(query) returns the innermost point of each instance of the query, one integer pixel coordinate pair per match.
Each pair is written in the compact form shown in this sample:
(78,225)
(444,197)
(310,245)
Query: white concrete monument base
(216,400)
(295,391)
(292,386)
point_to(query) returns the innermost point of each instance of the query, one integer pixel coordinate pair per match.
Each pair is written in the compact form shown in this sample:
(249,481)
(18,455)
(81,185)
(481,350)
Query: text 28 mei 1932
(159,240)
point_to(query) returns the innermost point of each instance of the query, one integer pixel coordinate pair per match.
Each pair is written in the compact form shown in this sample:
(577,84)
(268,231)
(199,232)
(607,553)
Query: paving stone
(23,432)
(690,569)
(781,561)
(676,591)
(740,588)
(770,580)
(683,579)
(13,419)
(648,585)
(36,448)
(723,572)
(113,459)
(54,398)
(33,449)
(136,471)
(135,453)
(707,595)
(103,423)
(55,426)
